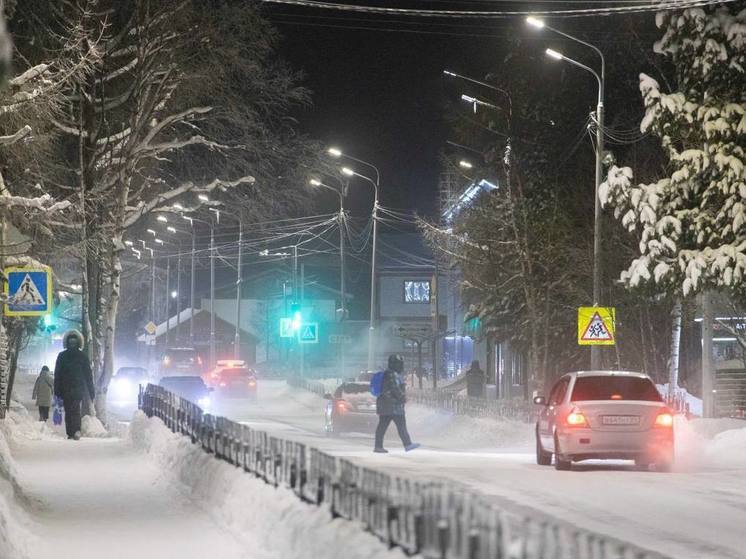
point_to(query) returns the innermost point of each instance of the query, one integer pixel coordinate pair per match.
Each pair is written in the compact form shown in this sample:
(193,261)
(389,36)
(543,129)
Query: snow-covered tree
(691,224)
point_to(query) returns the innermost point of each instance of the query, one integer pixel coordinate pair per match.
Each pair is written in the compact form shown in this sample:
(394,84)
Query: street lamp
(239,281)
(601,79)
(371,330)
(342,287)
(203,197)
(465,164)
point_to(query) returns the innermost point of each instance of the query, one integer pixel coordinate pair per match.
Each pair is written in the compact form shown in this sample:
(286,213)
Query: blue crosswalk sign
(28,291)
(309,333)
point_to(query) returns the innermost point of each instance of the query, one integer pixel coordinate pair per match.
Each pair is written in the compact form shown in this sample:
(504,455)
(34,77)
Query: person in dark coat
(390,405)
(43,389)
(72,378)
(475,381)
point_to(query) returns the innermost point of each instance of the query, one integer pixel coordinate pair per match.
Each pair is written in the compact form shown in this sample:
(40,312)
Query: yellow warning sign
(596,325)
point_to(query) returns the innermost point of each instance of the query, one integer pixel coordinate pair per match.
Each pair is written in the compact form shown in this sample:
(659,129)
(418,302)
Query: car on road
(190,387)
(126,382)
(351,408)
(180,361)
(232,377)
(604,415)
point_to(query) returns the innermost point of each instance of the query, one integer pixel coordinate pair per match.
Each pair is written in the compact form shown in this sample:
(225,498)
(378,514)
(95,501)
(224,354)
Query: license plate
(620,420)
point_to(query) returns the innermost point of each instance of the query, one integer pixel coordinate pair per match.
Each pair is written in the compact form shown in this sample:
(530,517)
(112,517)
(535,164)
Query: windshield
(614,388)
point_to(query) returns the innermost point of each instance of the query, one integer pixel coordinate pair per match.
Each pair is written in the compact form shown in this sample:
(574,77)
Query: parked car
(126,382)
(180,361)
(232,377)
(604,415)
(351,408)
(190,387)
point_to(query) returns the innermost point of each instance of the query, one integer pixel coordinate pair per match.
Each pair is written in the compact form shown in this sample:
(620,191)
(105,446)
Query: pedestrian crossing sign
(309,333)
(596,325)
(28,291)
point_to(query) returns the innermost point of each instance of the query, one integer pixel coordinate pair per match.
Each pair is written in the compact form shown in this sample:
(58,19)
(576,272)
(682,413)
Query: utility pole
(178,295)
(237,338)
(436,323)
(191,290)
(168,302)
(708,317)
(302,300)
(212,296)
(343,290)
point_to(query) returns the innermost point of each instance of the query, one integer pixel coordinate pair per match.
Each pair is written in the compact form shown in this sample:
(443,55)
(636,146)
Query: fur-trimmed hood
(71,333)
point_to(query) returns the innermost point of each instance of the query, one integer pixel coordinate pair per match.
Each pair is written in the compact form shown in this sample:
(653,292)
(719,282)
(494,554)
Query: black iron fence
(437,520)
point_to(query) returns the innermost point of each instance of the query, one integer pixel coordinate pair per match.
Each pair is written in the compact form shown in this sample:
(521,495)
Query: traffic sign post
(151,328)
(308,333)
(28,291)
(286,328)
(596,326)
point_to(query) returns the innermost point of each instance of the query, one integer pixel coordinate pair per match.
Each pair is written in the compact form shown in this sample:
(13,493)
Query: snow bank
(92,427)
(710,443)
(16,539)
(272,522)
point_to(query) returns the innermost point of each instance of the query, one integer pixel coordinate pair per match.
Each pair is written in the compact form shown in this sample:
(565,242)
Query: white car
(604,415)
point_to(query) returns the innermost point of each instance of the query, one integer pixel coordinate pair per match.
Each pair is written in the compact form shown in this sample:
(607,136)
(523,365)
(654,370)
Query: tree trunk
(673,363)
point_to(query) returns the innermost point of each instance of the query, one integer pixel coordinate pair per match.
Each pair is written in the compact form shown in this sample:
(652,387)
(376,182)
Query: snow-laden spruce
(691,224)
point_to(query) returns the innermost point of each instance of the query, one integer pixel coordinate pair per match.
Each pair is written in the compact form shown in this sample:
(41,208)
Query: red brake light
(616,397)
(341,405)
(664,420)
(576,419)
(252,383)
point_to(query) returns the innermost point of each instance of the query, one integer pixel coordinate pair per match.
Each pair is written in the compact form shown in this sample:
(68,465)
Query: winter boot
(412,446)
(77,435)
(380,450)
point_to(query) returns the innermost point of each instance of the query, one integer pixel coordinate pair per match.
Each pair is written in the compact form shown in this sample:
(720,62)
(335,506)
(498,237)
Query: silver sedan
(604,415)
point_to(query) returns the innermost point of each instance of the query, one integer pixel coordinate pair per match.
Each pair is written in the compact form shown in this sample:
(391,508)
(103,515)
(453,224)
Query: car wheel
(560,462)
(543,458)
(642,463)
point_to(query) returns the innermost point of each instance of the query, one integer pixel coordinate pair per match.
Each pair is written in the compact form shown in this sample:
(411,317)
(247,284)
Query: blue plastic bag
(57,413)
(376,384)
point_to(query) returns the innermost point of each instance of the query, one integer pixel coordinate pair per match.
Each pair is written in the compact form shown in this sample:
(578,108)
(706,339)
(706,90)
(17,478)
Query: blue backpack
(376,384)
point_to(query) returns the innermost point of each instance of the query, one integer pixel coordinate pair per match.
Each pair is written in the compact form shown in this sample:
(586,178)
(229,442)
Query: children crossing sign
(28,291)
(309,333)
(596,325)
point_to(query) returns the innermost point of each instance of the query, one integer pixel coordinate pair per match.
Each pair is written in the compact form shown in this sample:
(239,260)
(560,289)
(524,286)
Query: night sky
(380,95)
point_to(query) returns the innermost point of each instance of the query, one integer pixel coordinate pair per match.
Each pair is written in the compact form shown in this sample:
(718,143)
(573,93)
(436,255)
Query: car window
(615,388)
(558,392)
(355,388)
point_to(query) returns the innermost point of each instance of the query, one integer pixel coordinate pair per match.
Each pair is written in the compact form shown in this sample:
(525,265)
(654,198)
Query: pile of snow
(710,443)
(92,427)
(16,539)
(272,522)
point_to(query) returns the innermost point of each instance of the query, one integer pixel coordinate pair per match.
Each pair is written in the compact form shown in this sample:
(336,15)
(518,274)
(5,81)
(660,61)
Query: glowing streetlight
(128,243)
(203,197)
(465,164)
(158,241)
(334,152)
(535,22)
(171,229)
(554,54)
(347,171)
(314,182)
(174,294)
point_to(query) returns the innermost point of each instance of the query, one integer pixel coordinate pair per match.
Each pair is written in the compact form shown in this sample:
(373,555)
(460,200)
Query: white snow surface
(272,522)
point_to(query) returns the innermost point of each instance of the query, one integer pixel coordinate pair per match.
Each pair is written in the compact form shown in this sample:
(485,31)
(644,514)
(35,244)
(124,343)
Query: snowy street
(657,511)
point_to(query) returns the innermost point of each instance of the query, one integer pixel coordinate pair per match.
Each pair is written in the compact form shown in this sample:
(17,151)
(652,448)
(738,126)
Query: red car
(232,377)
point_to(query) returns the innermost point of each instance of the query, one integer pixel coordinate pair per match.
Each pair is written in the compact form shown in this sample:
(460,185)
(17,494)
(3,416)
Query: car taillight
(576,419)
(664,420)
(342,405)
(223,383)
(252,383)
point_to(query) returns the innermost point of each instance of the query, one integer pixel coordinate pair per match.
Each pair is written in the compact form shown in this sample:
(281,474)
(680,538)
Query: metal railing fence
(435,519)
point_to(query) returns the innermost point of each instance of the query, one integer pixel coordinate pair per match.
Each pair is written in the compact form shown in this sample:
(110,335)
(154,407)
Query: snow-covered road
(696,512)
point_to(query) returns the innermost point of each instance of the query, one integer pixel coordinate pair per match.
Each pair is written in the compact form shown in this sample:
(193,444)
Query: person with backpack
(43,389)
(475,381)
(388,387)
(72,378)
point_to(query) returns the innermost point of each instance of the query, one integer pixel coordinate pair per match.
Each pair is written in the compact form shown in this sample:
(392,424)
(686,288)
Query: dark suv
(180,361)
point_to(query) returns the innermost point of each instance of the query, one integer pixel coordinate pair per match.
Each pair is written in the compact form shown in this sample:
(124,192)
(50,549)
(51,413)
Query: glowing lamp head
(348,172)
(465,164)
(334,152)
(535,22)
(314,182)
(554,54)
(171,229)
(203,197)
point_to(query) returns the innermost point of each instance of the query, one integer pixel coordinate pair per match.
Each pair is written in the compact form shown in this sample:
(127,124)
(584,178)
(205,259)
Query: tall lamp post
(601,79)
(342,287)
(337,153)
(239,279)
(372,329)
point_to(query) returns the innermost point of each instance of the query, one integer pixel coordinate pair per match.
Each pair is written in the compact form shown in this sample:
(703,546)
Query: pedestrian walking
(475,381)
(390,405)
(72,379)
(42,393)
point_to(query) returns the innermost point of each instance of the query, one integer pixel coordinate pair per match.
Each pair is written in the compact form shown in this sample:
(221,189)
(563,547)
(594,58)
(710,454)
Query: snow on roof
(173,322)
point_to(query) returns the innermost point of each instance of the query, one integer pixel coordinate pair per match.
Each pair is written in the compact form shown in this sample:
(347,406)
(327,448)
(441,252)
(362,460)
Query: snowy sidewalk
(103,496)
